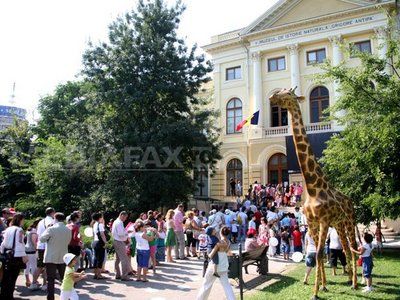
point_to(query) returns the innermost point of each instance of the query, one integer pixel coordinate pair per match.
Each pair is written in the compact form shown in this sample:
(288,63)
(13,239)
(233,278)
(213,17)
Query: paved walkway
(173,281)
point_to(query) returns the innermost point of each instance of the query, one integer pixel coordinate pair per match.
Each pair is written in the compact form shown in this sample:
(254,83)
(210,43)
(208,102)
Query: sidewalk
(173,281)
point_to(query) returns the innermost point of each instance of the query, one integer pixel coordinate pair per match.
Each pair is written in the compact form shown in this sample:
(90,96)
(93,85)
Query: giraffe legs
(320,278)
(341,230)
(350,228)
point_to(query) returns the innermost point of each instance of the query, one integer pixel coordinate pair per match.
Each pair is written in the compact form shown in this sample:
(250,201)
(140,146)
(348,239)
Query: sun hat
(68,258)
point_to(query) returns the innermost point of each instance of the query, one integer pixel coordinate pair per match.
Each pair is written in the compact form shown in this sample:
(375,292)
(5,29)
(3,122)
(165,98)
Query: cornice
(328,17)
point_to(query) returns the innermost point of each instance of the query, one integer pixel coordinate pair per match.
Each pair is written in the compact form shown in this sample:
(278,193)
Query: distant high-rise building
(8,113)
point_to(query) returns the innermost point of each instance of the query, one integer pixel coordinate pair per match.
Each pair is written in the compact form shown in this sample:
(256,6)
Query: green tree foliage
(138,96)
(363,160)
(15,159)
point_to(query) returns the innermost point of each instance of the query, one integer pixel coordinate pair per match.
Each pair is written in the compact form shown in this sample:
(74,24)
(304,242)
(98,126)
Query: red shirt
(75,239)
(258,216)
(296,238)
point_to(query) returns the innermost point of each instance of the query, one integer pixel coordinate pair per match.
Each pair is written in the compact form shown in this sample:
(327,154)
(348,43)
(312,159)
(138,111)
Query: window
(201,182)
(233,115)
(279,116)
(233,73)
(364,46)
(276,64)
(277,169)
(316,56)
(319,101)
(233,173)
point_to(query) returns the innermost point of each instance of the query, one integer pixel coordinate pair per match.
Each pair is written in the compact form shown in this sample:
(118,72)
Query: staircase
(391,238)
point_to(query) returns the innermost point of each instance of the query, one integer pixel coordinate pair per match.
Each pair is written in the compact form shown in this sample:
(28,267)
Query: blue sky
(42,41)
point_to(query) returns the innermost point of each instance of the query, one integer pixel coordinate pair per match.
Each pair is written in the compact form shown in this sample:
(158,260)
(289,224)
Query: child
(152,233)
(212,242)
(285,241)
(70,277)
(143,251)
(297,243)
(203,245)
(367,264)
(235,230)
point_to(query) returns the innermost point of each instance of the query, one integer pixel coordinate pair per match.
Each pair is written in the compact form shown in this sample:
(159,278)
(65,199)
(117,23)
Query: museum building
(283,48)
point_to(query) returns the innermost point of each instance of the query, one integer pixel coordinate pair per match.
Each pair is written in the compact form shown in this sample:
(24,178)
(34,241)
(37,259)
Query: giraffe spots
(325,185)
(302,147)
(310,153)
(296,123)
(310,178)
(298,138)
(303,131)
(319,171)
(319,182)
(322,195)
(296,116)
(296,131)
(312,192)
(330,193)
(302,157)
(311,165)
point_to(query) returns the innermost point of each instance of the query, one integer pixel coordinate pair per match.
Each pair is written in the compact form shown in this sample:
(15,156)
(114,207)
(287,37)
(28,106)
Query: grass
(385,281)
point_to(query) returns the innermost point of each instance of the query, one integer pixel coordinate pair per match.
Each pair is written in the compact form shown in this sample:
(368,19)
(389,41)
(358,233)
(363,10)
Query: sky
(42,41)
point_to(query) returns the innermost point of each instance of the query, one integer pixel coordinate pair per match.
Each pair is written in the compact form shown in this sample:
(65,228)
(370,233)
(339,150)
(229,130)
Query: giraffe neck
(310,168)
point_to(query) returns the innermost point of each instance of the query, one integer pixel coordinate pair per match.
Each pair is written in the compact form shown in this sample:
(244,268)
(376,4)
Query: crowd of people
(52,247)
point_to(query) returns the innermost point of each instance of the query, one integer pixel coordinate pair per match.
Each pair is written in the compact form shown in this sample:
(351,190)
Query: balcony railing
(277,131)
(311,128)
(318,127)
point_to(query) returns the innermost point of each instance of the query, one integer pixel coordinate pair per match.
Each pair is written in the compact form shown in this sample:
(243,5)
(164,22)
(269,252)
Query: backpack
(239,220)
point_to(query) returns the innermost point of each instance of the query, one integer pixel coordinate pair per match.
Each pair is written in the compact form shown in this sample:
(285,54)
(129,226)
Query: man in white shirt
(335,246)
(120,241)
(47,222)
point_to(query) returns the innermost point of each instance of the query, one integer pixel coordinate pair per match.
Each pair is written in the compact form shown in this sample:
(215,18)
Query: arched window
(233,115)
(234,171)
(319,101)
(277,169)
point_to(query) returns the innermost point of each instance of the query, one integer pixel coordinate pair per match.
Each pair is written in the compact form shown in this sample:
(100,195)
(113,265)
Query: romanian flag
(253,120)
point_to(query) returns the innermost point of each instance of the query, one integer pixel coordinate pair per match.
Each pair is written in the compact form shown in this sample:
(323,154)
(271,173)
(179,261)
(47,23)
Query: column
(294,67)
(257,87)
(337,57)
(381,34)
(294,72)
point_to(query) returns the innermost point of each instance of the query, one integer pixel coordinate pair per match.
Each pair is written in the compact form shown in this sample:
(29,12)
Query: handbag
(9,258)
(359,261)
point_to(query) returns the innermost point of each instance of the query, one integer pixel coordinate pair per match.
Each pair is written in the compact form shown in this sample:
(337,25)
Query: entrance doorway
(277,169)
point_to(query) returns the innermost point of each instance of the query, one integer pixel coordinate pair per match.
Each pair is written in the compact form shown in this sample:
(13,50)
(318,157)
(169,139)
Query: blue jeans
(242,232)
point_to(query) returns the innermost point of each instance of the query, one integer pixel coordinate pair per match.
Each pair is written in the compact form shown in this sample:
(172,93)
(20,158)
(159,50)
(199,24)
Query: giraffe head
(286,98)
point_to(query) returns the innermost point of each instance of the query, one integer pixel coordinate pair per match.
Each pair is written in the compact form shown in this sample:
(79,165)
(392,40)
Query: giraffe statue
(324,206)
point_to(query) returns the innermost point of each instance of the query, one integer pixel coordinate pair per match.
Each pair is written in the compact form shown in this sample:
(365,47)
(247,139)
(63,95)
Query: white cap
(227,211)
(68,258)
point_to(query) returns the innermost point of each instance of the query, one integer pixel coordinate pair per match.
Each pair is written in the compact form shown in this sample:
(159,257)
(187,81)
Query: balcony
(310,128)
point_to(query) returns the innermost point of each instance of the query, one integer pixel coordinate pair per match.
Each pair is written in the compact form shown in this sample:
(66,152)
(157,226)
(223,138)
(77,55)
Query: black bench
(257,257)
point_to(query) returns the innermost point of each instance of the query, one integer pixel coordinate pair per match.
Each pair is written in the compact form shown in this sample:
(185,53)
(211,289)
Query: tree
(363,160)
(15,159)
(138,97)
(145,81)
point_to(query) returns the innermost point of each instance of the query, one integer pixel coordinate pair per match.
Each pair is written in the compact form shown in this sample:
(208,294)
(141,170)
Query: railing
(318,127)
(311,128)
(277,131)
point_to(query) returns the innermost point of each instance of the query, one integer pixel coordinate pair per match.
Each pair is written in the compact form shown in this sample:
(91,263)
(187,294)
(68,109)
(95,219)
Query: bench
(257,257)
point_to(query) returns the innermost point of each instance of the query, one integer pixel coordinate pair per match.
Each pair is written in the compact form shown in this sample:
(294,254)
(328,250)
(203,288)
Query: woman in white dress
(222,249)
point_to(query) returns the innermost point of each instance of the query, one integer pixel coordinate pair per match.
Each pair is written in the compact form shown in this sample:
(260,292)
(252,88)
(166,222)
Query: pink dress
(263,235)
